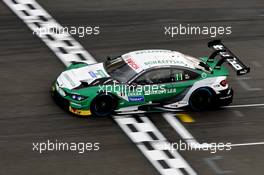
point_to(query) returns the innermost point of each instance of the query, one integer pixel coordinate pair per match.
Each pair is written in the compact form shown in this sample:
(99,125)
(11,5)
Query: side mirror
(108,58)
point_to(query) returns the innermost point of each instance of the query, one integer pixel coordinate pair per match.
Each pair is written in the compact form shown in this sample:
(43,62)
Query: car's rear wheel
(202,99)
(103,105)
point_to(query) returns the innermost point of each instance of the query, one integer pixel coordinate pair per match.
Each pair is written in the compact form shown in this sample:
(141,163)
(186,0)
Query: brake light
(223,83)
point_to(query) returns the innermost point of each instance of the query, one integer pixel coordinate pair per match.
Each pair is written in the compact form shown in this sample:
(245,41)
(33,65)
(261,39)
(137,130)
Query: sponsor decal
(171,91)
(182,103)
(151,51)
(204,75)
(187,76)
(226,97)
(164,61)
(79,111)
(69,79)
(92,74)
(97,74)
(132,63)
(163,91)
(136,99)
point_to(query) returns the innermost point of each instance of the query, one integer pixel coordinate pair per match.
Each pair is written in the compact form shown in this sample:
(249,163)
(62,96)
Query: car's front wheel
(202,99)
(103,105)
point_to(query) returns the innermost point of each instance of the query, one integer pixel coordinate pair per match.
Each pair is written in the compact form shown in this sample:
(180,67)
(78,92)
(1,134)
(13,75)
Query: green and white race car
(147,80)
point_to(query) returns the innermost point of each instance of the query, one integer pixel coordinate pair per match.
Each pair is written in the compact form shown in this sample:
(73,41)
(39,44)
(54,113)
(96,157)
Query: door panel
(165,83)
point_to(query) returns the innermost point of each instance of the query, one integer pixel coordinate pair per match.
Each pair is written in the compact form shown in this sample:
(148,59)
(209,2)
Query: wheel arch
(113,96)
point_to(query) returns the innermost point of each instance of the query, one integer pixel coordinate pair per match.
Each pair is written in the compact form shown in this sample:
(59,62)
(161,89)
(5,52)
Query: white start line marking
(179,128)
(63,45)
(68,49)
(144,134)
(154,145)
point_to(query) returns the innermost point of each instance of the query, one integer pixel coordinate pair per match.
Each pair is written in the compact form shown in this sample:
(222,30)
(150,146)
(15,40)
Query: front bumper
(225,97)
(65,104)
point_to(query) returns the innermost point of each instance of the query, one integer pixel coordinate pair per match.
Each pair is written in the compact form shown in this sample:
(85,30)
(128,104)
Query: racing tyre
(202,99)
(103,105)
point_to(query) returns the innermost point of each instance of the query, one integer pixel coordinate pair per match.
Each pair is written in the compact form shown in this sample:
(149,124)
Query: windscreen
(119,70)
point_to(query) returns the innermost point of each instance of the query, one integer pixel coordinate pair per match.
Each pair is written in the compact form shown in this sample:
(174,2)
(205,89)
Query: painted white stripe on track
(245,105)
(180,129)
(247,144)
(175,164)
(66,48)
(72,51)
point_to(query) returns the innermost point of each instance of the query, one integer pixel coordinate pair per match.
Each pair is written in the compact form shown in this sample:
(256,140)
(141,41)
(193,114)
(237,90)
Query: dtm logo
(136,99)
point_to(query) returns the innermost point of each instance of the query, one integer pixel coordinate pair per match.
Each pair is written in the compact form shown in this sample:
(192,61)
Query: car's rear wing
(226,56)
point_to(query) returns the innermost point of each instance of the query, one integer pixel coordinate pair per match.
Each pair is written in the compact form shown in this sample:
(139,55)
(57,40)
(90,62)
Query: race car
(146,80)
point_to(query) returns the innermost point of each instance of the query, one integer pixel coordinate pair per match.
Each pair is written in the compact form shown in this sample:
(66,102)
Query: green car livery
(146,80)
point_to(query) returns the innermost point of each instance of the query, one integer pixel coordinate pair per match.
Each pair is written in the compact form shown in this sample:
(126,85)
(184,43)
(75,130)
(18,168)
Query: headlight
(77,97)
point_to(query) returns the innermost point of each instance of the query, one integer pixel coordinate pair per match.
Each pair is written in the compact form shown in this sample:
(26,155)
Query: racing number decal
(232,61)
(234,64)
(218,47)
(179,77)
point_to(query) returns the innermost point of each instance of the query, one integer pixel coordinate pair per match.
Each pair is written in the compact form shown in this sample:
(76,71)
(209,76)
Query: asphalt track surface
(28,67)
